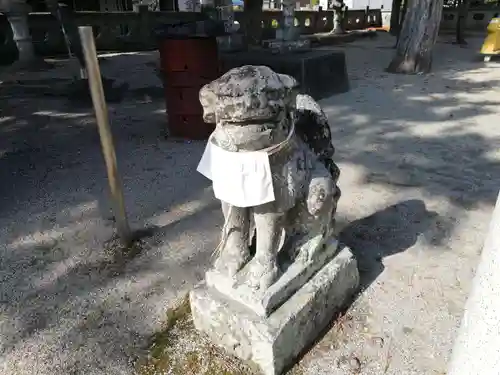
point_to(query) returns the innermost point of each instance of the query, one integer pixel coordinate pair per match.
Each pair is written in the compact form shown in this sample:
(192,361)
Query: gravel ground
(418,154)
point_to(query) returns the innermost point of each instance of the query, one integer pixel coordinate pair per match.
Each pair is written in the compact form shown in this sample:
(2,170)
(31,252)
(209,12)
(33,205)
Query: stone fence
(126,31)
(477,19)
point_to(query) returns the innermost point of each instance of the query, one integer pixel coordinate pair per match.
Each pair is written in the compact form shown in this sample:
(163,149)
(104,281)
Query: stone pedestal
(230,43)
(274,329)
(283,46)
(320,72)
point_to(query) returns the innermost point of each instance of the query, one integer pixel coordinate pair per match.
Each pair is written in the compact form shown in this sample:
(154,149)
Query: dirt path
(419,156)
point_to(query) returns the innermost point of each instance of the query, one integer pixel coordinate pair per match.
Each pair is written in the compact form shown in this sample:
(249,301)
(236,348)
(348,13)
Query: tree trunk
(17,14)
(404,10)
(395,15)
(417,38)
(403,16)
(253,21)
(461,21)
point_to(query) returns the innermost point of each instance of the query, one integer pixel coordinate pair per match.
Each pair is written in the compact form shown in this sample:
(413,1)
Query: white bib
(242,179)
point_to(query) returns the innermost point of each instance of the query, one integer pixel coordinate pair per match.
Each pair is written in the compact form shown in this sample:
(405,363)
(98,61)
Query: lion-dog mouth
(254,136)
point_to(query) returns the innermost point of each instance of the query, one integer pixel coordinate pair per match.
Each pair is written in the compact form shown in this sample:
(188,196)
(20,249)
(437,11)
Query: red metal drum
(187,64)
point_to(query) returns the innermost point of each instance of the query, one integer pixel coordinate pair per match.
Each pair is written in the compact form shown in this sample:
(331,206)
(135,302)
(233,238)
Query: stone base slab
(295,276)
(273,343)
(283,46)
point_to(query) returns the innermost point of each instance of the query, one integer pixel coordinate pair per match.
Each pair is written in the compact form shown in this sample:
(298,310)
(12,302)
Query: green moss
(178,349)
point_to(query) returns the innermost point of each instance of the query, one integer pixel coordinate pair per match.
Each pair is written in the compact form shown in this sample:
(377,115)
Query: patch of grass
(178,349)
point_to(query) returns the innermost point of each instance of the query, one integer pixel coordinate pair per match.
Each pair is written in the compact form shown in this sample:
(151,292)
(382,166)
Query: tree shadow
(385,233)
(63,282)
(87,302)
(426,132)
(428,137)
(53,185)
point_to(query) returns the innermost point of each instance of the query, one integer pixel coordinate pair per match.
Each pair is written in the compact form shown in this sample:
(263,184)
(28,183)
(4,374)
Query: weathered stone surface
(312,126)
(257,109)
(269,304)
(264,302)
(274,342)
(283,46)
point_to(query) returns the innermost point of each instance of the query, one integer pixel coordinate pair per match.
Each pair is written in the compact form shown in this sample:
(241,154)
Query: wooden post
(101,113)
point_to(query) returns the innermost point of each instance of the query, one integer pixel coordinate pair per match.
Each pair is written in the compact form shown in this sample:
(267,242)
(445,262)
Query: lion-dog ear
(288,81)
(208,101)
(292,87)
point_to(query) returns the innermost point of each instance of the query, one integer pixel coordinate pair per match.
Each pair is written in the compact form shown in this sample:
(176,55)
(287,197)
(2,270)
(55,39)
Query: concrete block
(321,73)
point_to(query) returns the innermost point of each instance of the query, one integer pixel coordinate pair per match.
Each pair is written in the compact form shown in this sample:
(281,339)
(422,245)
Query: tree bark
(417,37)
(402,20)
(404,10)
(461,21)
(395,15)
(17,12)
(253,21)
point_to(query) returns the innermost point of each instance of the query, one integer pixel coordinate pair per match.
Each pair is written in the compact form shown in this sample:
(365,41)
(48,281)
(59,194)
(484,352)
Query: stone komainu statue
(255,108)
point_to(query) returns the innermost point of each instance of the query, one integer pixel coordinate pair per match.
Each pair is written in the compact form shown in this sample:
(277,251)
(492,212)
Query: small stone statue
(256,109)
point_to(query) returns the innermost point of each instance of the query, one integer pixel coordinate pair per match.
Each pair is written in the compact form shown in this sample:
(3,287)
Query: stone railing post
(367,17)
(288,8)
(345,18)
(318,18)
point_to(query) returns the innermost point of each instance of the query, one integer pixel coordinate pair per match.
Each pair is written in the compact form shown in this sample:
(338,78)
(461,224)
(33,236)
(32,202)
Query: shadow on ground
(66,284)
(433,133)
(384,233)
(64,289)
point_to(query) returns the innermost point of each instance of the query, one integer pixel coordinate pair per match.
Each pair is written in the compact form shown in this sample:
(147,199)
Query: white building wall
(373,4)
(387,5)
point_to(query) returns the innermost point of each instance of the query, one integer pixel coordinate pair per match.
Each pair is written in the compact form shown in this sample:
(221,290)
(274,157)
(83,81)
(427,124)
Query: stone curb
(332,39)
(477,346)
